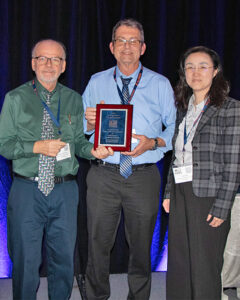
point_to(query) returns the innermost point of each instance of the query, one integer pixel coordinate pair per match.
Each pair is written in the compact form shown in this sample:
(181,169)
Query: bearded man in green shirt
(41,131)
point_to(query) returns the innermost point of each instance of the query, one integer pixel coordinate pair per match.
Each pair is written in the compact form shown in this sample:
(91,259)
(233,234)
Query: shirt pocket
(68,127)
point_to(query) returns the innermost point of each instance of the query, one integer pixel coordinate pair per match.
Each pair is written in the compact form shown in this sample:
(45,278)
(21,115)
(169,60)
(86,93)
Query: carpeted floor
(119,288)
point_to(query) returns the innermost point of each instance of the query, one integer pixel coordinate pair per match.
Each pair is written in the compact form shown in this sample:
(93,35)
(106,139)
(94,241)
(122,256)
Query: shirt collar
(191,105)
(133,75)
(43,91)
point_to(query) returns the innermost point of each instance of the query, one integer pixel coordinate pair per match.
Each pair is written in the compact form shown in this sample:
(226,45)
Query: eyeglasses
(201,69)
(131,42)
(42,60)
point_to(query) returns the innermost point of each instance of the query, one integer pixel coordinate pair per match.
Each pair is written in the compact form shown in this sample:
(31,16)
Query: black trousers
(82,235)
(195,253)
(108,194)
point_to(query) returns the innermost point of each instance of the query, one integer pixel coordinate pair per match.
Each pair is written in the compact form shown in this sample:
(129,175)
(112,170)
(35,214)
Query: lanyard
(56,121)
(186,136)
(135,86)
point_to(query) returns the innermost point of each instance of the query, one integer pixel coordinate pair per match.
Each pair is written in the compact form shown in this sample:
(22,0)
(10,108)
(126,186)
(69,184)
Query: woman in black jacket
(203,177)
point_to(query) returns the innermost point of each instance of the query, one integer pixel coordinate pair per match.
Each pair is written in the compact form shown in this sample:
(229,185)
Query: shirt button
(195,164)
(195,147)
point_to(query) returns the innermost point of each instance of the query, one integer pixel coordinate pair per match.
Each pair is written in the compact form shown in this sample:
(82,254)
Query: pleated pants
(231,265)
(195,249)
(108,194)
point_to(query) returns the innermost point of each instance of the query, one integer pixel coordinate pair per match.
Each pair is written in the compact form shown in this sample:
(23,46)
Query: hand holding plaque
(113,126)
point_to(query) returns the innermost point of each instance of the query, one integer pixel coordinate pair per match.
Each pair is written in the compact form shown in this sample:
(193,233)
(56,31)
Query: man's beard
(48,79)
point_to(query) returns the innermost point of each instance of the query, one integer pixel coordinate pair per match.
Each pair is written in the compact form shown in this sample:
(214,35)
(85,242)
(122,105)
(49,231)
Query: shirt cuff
(219,212)
(168,142)
(28,149)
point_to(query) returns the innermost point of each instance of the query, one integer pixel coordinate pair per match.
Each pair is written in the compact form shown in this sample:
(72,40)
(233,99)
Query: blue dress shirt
(153,106)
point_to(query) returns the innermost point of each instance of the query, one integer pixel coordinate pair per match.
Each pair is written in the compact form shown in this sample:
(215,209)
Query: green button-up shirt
(21,126)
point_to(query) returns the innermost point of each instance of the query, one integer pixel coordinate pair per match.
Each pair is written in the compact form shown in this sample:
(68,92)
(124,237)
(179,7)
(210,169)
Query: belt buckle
(101,162)
(57,180)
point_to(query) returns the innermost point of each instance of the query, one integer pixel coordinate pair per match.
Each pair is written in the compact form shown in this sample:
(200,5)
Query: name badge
(182,174)
(64,153)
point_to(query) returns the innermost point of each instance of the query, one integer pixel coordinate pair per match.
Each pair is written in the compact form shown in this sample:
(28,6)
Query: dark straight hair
(219,89)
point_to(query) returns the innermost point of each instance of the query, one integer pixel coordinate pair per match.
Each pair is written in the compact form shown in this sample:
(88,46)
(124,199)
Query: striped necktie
(125,160)
(46,163)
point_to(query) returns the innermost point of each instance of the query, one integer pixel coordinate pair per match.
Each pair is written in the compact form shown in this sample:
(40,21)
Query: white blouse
(185,157)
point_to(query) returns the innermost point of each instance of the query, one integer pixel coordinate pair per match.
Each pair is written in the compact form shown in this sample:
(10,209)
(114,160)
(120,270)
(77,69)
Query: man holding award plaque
(125,109)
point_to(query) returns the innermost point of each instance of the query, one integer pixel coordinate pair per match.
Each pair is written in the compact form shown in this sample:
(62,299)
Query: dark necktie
(46,163)
(125,160)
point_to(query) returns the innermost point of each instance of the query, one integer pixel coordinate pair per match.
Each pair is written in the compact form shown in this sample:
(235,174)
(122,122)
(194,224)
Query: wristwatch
(155,145)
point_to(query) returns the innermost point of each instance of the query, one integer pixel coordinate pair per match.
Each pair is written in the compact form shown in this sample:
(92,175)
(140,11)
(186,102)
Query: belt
(57,179)
(117,166)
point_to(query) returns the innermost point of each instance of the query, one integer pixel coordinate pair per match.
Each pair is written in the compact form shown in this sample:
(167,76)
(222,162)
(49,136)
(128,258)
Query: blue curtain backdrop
(84,26)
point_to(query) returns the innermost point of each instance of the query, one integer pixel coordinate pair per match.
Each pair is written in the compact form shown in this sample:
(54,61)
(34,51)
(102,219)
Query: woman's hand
(166,205)
(216,222)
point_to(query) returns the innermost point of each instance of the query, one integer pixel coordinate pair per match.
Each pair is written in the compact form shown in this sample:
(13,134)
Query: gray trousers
(231,265)
(108,194)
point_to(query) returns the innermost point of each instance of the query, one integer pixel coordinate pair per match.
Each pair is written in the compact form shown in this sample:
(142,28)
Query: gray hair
(130,23)
(50,40)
